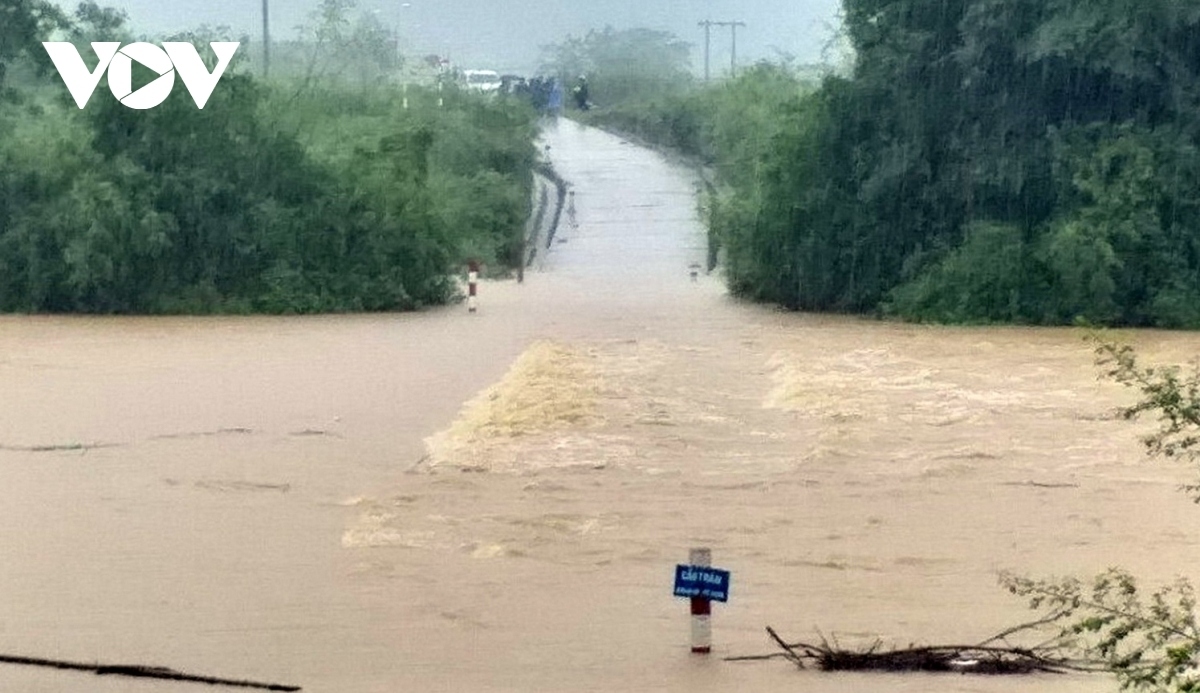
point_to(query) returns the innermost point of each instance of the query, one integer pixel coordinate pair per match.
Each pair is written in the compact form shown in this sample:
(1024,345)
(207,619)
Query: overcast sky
(506,34)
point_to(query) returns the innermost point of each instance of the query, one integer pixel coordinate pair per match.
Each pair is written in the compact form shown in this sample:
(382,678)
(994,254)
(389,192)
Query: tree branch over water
(1150,643)
(1174,397)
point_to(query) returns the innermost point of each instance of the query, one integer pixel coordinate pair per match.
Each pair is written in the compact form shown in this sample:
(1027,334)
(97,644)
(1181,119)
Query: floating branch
(982,658)
(141,671)
(62,447)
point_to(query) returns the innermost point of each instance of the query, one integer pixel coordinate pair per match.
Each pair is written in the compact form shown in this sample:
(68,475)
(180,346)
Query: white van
(486,81)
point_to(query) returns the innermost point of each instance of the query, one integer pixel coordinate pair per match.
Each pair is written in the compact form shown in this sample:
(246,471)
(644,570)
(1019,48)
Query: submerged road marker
(703,584)
(472,278)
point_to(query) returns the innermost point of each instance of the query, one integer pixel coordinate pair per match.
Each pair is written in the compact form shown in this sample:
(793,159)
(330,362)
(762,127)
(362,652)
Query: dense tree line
(985,160)
(1021,160)
(299,196)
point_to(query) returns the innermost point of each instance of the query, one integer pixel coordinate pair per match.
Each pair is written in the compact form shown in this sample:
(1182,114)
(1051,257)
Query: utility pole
(708,24)
(266,39)
(733,53)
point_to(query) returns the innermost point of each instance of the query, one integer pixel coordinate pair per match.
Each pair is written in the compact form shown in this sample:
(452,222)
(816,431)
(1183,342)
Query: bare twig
(791,654)
(1052,618)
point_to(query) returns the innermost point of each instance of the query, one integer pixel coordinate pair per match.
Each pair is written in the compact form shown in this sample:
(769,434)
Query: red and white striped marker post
(702,584)
(472,278)
(701,607)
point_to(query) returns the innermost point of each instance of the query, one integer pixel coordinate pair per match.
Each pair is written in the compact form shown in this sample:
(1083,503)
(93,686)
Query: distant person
(555,102)
(581,93)
(539,95)
(521,88)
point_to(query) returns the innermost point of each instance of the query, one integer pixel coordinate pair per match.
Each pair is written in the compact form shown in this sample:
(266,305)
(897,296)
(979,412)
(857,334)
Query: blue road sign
(701,581)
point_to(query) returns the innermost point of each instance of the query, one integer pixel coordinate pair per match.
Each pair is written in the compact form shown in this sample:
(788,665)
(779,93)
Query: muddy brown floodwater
(445,502)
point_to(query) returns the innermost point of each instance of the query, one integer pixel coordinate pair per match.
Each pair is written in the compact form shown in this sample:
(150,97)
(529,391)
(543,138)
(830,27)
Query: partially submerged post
(472,279)
(701,607)
(701,583)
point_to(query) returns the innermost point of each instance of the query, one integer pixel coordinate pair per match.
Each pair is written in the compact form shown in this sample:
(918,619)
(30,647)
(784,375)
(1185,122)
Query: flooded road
(444,502)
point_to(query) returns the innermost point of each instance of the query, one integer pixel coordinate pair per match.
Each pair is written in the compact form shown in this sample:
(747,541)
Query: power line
(733,25)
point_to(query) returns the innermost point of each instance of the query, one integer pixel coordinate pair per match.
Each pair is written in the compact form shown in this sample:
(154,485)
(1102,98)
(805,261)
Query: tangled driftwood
(992,656)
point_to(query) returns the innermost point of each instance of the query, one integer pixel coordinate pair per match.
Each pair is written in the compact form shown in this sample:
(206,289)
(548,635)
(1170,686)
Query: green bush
(287,197)
(981,280)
